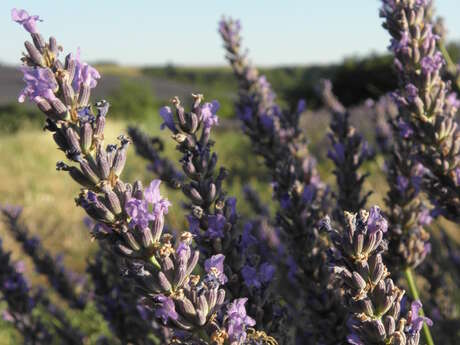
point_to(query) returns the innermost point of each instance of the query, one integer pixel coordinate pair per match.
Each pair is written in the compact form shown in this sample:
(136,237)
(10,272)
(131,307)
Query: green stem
(414,294)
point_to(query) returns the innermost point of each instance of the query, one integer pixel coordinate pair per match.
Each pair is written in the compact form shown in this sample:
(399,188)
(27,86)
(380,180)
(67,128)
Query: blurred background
(150,51)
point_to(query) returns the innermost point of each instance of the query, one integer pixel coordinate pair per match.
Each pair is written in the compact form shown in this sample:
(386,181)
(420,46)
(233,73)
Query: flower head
(254,278)
(215,266)
(415,321)
(152,196)
(237,321)
(40,82)
(216,225)
(141,211)
(166,114)
(209,114)
(376,221)
(166,309)
(431,64)
(84,74)
(23,18)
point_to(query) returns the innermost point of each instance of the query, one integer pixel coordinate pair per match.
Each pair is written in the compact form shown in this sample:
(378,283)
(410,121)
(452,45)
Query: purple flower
(416,322)
(266,272)
(431,64)
(245,114)
(425,218)
(402,183)
(267,122)
(375,221)
(216,225)
(338,154)
(404,129)
(194,225)
(247,238)
(152,196)
(285,201)
(168,119)
(429,38)
(403,43)
(231,207)
(452,101)
(209,114)
(166,310)
(139,210)
(354,339)
(292,264)
(237,321)
(40,82)
(309,193)
(457,176)
(250,277)
(23,18)
(215,265)
(183,252)
(84,74)
(230,30)
(254,278)
(411,92)
(301,105)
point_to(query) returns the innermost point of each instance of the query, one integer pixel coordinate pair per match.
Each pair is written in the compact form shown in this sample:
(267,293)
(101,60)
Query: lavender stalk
(349,151)
(426,102)
(128,218)
(371,296)
(66,283)
(22,304)
(276,137)
(213,216)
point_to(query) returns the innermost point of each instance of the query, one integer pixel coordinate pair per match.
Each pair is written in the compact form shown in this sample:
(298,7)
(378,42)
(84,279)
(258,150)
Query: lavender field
(209,204)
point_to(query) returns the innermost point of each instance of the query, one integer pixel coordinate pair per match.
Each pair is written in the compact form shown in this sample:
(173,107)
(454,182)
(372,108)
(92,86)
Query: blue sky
(142,32)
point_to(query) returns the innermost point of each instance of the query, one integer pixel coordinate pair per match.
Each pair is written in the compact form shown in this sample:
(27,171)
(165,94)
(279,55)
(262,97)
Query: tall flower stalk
(374,301)
(427,105)
(212,214)
(67,284)
(23,304)
(349,151)
(128,218)
(302,196)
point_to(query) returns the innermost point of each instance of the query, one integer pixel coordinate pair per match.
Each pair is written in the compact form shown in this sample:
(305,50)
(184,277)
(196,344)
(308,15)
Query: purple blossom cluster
(427,104)
(229,278)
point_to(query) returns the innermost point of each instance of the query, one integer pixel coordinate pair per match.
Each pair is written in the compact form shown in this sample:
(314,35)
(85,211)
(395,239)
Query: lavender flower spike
(370,294)
(130,220)
(349,151)
(424,99)
(302,196)
(67,284)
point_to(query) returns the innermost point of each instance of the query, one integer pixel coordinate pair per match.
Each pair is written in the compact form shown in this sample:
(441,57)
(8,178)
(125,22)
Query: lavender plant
(128,218)
(22,304)
(226,275)
(275,136)
(349,151)
(373,299)
(212,215)
(116,301)
(67,284)
(427,105)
